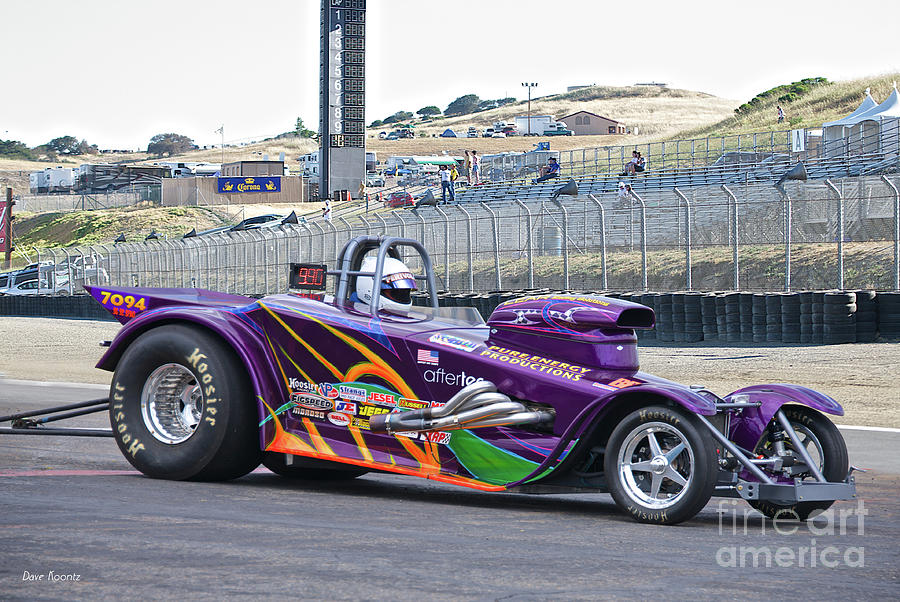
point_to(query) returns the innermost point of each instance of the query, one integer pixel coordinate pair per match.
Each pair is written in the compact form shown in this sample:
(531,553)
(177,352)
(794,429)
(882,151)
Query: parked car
(392,136)
(30,287)
(498,135)
(487,133)
(472,133)
(374,179)
(401,198)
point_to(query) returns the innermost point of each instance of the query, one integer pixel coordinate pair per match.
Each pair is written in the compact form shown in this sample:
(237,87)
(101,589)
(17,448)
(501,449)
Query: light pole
(529,86)
(221,131)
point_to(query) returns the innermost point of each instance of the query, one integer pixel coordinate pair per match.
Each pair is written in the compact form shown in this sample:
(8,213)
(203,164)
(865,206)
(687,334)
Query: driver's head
(397,284)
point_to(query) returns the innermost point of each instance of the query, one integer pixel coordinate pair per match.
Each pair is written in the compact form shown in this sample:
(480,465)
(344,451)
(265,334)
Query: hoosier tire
(181,407)
(660,465)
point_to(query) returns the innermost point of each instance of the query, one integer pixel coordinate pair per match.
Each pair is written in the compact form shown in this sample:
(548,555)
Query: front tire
(660,465)
(181,407)
(824,443)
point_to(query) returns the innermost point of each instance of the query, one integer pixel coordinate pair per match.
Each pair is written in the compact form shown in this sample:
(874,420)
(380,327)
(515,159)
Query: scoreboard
(342,127)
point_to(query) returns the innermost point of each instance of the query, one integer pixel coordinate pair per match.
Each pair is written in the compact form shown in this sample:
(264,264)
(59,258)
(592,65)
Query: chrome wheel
(171,403)
(655,465)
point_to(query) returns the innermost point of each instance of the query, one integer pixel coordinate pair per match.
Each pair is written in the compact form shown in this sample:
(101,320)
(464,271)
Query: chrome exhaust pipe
(475,406)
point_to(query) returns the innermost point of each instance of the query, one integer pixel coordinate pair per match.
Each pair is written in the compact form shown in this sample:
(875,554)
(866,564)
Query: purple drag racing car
(546,397)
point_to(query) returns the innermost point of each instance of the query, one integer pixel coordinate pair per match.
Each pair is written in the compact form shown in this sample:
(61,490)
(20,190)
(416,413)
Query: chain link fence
(840,234)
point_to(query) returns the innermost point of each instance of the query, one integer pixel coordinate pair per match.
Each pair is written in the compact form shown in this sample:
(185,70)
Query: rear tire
(181,407)
(660,465)
(311,469)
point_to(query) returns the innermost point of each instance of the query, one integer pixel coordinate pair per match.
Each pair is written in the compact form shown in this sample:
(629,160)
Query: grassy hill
(820,104)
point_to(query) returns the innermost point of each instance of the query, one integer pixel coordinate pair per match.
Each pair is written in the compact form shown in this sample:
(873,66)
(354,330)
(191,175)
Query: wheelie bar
(30,423)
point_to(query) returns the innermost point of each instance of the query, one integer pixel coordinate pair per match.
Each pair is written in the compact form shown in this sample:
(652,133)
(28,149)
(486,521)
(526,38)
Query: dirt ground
(863,378)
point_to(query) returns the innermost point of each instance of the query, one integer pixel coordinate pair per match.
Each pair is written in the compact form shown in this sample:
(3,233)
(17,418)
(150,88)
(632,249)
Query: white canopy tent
(872,130)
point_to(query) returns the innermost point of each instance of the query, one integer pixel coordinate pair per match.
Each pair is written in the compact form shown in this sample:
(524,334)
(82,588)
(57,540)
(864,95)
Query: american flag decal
(427,356)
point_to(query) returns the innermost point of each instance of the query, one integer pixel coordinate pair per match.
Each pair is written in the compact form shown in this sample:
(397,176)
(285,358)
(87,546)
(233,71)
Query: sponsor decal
(455,342)
(316,414)
(427,356)
(357,394)
(347,407)
(412,404)
(621,383)
(537,363)
(604,387)
(329,390)
(372,410)
(436,437)
(453,379)
(555,298)
(297,385)
(362,423)
(338,419)
(313,402)
(387,399)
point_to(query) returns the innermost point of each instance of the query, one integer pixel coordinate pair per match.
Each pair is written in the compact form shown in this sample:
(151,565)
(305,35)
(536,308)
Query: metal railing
(842,234)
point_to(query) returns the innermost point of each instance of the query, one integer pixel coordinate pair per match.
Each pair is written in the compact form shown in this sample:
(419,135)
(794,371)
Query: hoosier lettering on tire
(181,407)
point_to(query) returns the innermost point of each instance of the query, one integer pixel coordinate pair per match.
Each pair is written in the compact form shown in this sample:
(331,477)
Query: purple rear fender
(231,325)
(749,425)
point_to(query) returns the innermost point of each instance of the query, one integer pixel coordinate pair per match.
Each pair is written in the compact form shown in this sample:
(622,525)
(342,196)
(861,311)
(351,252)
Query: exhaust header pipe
(478,405)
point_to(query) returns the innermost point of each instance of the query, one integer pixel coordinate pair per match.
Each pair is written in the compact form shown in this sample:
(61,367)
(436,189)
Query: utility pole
(6,227)
(221,131)
(529,86)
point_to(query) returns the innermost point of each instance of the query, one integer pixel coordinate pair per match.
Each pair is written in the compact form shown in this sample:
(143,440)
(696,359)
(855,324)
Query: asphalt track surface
(74,507)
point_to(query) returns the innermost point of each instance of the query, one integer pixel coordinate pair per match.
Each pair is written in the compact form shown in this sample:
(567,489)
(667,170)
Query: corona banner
(247,184)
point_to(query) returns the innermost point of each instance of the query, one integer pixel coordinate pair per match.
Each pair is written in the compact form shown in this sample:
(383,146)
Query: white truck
(542,125)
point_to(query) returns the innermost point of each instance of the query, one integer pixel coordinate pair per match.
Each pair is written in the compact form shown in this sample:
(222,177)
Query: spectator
(475,166)
(780,114)
(446,185)
(551,170)
(635,165)
(326,210)
(627,166)
(468,169)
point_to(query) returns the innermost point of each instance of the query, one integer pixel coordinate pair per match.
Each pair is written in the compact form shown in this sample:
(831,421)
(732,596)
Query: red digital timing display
(307,275)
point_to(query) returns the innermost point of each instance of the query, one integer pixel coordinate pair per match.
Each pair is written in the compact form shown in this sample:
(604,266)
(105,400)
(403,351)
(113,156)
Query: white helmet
(397,283)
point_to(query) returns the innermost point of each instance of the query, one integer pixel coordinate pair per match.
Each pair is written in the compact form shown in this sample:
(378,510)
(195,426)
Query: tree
(64,145)
(429,111)
(169,144)
(398,116)
(13,149)
(377,123)
(463,105)
(301,130)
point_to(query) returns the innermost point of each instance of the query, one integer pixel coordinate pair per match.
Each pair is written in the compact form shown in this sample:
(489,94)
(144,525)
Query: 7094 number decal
(123,305)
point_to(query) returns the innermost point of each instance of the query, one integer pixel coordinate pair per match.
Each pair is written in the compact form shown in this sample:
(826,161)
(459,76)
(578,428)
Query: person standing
(780,114)
(454,176)
(326,210)
(475,166)
(446,184)
(468,169)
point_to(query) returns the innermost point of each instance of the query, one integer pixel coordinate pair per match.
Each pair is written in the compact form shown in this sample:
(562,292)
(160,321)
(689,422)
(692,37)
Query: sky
(117,72)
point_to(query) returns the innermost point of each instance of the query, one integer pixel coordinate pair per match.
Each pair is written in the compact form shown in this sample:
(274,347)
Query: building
(584,123)
(252,168)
